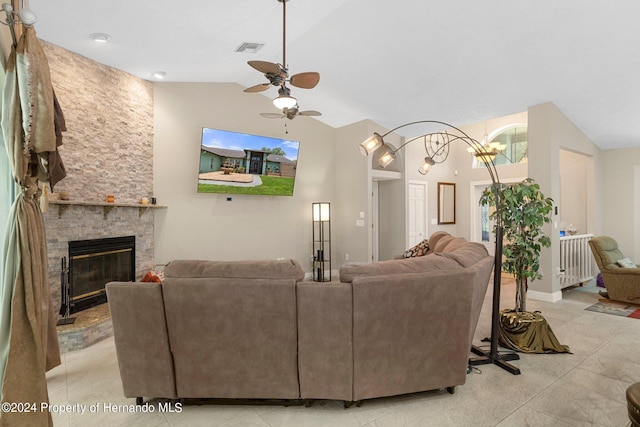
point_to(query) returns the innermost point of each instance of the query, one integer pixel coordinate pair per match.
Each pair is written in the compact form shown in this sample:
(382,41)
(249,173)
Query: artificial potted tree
(523,211)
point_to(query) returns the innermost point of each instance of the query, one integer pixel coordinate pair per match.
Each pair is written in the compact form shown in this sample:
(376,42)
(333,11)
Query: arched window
(514,137)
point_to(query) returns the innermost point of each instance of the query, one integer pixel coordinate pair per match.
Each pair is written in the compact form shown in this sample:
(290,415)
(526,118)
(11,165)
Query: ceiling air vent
(250,47)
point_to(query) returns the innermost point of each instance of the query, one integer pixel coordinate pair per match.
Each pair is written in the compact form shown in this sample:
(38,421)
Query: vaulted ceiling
(459,61)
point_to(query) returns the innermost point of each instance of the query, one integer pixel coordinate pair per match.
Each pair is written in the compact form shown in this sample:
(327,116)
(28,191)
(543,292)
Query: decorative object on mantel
(439,142)
(523,210)
(111,198)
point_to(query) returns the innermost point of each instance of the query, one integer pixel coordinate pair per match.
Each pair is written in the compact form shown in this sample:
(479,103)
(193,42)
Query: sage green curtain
(28,340)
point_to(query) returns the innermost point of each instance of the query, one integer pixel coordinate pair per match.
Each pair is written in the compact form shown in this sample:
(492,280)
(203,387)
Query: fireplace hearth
(93,264)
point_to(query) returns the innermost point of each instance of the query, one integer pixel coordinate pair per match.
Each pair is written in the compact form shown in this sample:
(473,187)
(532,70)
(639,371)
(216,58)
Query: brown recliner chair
(622,283)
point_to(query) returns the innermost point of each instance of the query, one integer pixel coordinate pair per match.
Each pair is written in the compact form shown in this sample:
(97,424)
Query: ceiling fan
(290,113)
(278,74)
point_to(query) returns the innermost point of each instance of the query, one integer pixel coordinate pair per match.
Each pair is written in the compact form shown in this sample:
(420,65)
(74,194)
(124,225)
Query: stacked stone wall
(107,150)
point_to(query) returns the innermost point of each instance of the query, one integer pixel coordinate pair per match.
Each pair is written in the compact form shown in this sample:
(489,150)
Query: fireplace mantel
(63,205)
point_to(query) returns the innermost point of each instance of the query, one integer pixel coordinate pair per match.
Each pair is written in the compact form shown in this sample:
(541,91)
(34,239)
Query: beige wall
(549,132)
(207,226)
(621,199)
(350,171)
(574,178)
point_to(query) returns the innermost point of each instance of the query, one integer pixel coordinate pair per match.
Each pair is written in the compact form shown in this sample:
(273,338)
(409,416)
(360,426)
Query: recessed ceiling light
(249,47)
(100,37)
(159,74)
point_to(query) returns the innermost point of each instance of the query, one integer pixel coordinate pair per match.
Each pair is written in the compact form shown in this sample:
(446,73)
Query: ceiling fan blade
(307,80)
(258,88)
(310,113)
(272,115)
(265,67)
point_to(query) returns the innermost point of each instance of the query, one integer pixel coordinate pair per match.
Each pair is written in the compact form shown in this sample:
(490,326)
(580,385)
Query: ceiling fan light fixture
(285,101)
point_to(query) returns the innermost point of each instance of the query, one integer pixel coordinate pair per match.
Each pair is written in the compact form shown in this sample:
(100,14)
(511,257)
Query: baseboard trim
(545,296)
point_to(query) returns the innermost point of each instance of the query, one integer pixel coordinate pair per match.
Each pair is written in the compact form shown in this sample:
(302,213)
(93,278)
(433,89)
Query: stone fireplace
(107,149)
(95,262)
(77,224)
(84,221)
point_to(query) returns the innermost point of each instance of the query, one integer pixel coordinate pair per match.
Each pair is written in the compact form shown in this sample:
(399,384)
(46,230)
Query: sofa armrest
(622,271)
(623,284)
(142,343)
(325,352)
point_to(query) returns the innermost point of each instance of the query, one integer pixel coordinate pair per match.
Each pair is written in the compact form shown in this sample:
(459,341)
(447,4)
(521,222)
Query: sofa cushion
(426,263)
(420,249)
(606,251)
(466,255)
(626,263)
(257,269)
(434,241)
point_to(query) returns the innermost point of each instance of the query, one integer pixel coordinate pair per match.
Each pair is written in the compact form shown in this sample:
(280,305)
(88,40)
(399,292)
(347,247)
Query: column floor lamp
(437,149)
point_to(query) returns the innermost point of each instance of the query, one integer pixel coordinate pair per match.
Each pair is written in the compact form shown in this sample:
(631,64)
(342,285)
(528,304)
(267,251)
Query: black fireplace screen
(94,263)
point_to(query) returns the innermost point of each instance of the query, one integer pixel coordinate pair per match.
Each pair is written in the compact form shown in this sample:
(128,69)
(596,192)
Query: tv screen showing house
(240,163)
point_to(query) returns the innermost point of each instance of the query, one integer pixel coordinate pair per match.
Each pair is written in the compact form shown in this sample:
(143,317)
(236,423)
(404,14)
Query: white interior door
(417,213)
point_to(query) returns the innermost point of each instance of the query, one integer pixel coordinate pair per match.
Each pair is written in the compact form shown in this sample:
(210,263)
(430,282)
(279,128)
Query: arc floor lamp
(437,150)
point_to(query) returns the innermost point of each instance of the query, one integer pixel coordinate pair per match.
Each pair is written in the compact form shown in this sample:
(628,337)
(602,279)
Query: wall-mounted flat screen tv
(240,163)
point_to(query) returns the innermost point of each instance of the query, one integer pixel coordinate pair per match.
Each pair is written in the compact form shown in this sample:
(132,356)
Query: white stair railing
(576,260)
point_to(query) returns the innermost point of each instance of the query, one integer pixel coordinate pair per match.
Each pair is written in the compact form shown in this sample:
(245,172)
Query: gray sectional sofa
(258,330)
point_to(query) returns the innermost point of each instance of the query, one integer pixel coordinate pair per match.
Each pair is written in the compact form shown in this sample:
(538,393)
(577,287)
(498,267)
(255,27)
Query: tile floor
(586,388)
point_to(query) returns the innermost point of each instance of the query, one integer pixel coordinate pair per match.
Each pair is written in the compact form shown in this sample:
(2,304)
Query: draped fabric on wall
(28,340)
